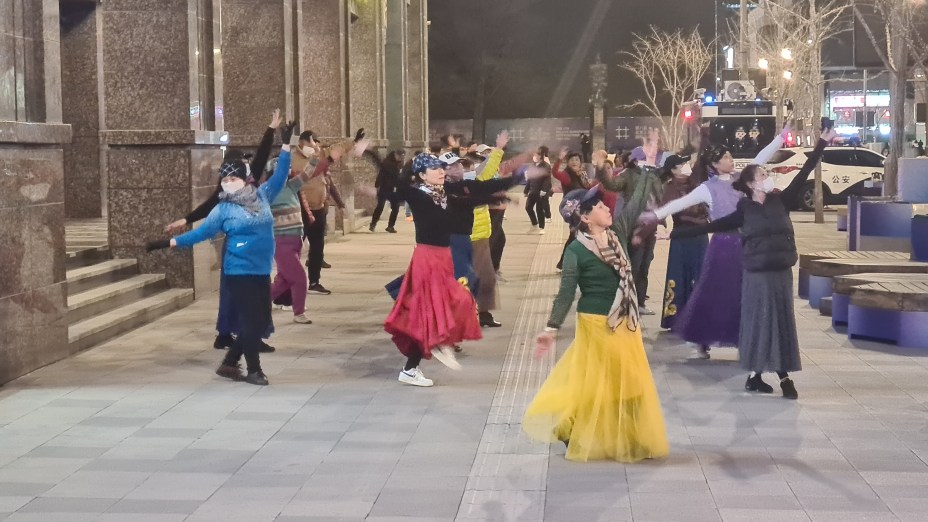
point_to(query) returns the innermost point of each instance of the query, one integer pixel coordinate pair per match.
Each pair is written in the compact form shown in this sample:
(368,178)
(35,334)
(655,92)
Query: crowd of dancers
(600,398)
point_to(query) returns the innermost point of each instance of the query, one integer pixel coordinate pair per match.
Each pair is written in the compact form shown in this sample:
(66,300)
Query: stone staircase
(109,297)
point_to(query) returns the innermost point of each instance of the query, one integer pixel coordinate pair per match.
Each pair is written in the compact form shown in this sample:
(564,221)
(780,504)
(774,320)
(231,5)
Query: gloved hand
(286,132)
(158,244)
(358,136)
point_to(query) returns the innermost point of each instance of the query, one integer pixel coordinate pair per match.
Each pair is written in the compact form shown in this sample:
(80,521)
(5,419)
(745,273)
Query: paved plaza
(140,429)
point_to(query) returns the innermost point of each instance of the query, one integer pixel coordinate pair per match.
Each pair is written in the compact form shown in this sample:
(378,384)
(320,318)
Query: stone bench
(842,286)
(806,260)
(892,311)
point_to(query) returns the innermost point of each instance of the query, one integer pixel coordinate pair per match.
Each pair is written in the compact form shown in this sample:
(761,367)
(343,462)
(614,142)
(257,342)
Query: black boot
(257,378)
(789,389)
(266,348)
(756,384)
(487,321)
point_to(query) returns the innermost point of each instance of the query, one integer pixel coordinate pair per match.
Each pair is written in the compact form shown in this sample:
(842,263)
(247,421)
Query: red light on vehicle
(688,114)
(886,114)
(789,138)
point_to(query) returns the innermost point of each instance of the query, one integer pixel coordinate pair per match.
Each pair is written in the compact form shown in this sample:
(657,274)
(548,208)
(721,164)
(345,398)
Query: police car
(846,171)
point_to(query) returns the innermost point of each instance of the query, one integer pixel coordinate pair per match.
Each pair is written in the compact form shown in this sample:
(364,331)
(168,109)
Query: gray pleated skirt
(768,341)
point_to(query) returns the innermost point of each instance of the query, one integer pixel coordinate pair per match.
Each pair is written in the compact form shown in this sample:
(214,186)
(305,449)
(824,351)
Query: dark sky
(547,33)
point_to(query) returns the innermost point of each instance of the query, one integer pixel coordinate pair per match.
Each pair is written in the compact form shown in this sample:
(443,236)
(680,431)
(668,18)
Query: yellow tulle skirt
(600,398)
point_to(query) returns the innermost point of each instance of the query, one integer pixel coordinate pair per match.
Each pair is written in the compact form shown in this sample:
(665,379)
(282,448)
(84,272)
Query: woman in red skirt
(434,311)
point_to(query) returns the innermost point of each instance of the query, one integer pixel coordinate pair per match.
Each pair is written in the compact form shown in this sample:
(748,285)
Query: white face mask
(471,174)
(232,184)
(686,170)
(307,150)
(766,186)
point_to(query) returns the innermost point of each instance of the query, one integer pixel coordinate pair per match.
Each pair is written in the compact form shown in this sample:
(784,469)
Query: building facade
(122,110)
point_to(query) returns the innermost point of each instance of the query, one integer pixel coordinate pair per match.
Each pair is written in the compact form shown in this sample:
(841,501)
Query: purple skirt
(713,313)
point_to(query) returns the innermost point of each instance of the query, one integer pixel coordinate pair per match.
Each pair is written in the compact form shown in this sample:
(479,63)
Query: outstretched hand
(543,344)
(502,139)
(563,154)
(359,135)
(158,244)
(176,227)
(286,133)
(275,119)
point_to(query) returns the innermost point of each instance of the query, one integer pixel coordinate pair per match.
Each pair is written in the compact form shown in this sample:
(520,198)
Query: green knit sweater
(598,285)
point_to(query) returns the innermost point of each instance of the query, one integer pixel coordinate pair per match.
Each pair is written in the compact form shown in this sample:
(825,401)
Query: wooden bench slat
(899,296)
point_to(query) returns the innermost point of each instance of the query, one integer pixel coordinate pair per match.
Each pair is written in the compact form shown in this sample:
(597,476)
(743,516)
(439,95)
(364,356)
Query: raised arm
(264,148)
(699,195)
(767,152)
(791,192)
(271,189)
(210,227)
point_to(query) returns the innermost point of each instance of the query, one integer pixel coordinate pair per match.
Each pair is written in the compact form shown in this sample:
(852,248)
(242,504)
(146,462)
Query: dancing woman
(244,216)
(712,315)
(684,263)
(433,311)
(600,398)
(767,340)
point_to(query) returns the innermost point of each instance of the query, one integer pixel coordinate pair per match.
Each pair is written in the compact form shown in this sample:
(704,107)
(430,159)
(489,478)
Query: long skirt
(433,308)
(713,312)
(768,341)
(684,264)
(486,275)
(600,398)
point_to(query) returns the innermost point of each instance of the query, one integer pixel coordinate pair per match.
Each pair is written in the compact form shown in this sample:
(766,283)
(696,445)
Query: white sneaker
(700,354)
(644,310)
(302,319)
(445,355)
(415,378)
(283,307)
(533,229)
(500,278)
(541,231)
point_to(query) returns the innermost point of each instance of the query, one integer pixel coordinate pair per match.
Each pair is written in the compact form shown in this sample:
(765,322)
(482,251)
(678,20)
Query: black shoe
(372,227)
(756,384)
(257,378)
(326,265)
(318,289)
(223,341)
(789,389)
(266,348)
(487,321)
(230,372)
(391,230)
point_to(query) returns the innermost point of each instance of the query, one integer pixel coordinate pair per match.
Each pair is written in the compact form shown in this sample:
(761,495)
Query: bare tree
(670,67)
(805,25)
(904,49)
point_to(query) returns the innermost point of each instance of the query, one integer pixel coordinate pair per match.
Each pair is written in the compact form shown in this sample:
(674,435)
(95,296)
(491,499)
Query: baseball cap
(573,200)
(425,161)
(449,158)
(483,148)
(673,161)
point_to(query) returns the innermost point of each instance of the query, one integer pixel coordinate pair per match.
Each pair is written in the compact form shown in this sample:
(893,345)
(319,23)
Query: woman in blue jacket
(244,216)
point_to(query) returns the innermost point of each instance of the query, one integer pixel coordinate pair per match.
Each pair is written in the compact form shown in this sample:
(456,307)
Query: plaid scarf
(609,250)
(437,192)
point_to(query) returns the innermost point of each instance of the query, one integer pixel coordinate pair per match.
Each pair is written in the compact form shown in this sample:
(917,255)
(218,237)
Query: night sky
(547,32)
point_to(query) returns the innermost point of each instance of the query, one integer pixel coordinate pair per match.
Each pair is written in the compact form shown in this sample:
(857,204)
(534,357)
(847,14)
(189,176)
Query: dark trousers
(570,239)
(535,208)
(252,298)
(315,236)
(378,210)
(497,236)
(642,255)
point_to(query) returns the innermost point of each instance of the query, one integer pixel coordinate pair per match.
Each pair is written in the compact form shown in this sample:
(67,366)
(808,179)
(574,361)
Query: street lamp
(787,75)
(763,63)
(786,54)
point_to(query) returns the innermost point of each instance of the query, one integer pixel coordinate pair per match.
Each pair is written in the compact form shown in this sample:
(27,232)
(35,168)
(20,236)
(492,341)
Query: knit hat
(425,161)
(573,201)
(235,167)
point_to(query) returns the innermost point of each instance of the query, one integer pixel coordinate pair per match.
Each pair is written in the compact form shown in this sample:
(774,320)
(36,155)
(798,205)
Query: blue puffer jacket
(249,239)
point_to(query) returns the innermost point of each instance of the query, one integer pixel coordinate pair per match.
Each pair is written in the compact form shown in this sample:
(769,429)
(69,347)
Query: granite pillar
(32,256)
(417,125)
(395,73)
(258,69)
(322,43)
(163,115)
(85,187)
(366,66)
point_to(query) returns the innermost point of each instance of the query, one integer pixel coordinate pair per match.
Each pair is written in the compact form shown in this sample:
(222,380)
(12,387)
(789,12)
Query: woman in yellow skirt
(600,398)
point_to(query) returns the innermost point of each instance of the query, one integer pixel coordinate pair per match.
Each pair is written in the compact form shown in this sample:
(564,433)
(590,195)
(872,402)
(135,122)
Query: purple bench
(843,285)
(890,312)
(822,271)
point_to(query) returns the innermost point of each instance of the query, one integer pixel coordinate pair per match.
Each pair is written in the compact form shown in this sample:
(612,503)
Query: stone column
(395,67)
(366,66)
(417,125)
(322,39)
(33,290)
(257,66)
(163,116)
(85,187)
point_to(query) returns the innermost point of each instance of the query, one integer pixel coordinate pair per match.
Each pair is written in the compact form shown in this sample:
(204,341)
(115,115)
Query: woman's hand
(563,154)
(275,119)
(502,139)
(648,217)
(176,227)
(543,344)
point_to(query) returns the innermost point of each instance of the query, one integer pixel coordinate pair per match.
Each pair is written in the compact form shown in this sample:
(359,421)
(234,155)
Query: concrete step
(113,295)
(88,277)
(92,331)
(78,257)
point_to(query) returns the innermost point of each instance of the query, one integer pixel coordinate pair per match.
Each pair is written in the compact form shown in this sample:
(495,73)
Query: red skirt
(433,309)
